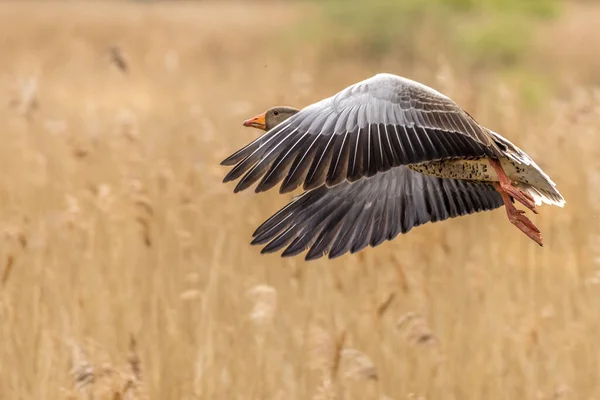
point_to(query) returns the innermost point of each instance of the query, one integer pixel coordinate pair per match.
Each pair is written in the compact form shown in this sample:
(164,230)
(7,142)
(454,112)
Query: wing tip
(228,162)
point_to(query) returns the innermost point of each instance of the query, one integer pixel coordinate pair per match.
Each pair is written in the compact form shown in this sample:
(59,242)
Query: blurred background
(125,265)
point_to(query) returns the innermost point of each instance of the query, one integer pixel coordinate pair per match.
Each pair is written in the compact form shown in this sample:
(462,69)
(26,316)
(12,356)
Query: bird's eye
(275,113)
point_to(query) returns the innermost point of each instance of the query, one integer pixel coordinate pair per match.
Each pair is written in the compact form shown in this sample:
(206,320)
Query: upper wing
(350,216)
(369,127)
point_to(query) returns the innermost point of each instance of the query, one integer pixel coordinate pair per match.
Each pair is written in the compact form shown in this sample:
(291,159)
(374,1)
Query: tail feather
(551,197)
(544,190)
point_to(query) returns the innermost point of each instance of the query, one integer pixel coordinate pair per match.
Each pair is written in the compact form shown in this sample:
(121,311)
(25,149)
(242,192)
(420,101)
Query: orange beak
(256,122)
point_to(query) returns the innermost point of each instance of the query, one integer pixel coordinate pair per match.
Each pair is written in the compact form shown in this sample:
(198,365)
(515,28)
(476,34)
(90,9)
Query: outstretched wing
(350,216)
(372,126)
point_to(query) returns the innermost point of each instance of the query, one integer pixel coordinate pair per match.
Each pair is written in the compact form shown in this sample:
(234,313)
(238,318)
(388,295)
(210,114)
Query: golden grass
(124,261)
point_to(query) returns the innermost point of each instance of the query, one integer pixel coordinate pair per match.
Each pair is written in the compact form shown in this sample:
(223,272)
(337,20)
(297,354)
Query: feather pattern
(386,121)
(352,154)
(352,216)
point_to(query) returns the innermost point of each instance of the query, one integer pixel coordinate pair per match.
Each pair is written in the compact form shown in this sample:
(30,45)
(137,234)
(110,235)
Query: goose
(377,159)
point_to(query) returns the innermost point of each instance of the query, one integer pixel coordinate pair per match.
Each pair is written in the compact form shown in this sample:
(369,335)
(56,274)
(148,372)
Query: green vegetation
(496,32)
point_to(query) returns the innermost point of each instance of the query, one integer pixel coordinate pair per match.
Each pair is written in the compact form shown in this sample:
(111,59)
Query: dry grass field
(125,265)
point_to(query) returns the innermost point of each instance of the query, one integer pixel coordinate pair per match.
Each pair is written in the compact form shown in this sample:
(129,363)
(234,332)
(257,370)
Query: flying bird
(378,158)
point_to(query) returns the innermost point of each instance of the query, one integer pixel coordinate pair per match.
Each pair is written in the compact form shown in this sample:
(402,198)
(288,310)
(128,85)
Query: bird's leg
(507,186)
(517,217)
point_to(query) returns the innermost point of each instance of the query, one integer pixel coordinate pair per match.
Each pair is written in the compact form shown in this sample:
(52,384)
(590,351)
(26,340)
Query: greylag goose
(376,159)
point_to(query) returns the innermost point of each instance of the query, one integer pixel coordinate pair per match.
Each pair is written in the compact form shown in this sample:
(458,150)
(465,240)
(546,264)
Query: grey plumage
(351,216)
(355,153)
(386,121)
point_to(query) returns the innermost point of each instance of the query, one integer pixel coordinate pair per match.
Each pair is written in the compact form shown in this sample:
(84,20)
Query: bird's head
(270,118)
